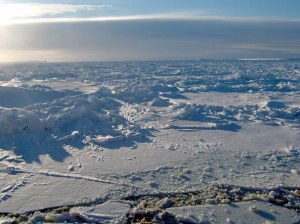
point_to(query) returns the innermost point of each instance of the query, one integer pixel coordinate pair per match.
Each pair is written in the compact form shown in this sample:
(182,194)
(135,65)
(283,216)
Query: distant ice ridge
(142,81)
(272,113)
(241,81)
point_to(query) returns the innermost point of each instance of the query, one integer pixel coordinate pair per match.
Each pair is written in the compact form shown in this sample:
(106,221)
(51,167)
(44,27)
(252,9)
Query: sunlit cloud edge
(147,17)
(14,13)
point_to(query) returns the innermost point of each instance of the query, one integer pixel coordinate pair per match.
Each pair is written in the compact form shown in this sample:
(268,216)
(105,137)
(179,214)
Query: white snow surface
(235,213)
(75,133)
(108,212)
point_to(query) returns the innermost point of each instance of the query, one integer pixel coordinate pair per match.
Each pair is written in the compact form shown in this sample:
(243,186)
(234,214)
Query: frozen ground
(80,134)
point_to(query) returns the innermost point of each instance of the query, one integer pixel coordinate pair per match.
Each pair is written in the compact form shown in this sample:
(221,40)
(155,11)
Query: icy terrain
(103,134)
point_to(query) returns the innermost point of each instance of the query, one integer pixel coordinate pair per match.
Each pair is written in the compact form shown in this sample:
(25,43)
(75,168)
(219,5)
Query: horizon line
(155,60)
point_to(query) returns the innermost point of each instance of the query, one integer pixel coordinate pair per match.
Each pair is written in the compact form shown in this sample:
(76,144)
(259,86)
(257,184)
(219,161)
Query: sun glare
(10,12)
(18,12)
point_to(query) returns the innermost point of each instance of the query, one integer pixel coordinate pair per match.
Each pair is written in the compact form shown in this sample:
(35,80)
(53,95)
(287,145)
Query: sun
(11,12)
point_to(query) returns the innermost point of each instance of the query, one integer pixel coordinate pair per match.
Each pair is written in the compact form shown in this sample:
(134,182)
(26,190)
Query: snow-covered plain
(80,134)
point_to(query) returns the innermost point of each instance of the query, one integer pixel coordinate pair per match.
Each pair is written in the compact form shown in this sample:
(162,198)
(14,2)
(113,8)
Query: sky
(126,30)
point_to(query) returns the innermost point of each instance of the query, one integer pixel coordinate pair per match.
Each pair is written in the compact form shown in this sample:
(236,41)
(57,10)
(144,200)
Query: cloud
(31,13)
(16,12)
(149,39)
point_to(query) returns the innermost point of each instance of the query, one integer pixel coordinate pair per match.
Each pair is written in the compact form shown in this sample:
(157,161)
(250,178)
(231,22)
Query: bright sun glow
(11,13)
(8,12)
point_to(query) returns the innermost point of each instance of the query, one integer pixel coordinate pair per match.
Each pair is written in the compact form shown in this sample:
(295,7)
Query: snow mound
(272,113)
(17,120)
(21,97)
(144,90)
(84,118)
(159,102)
